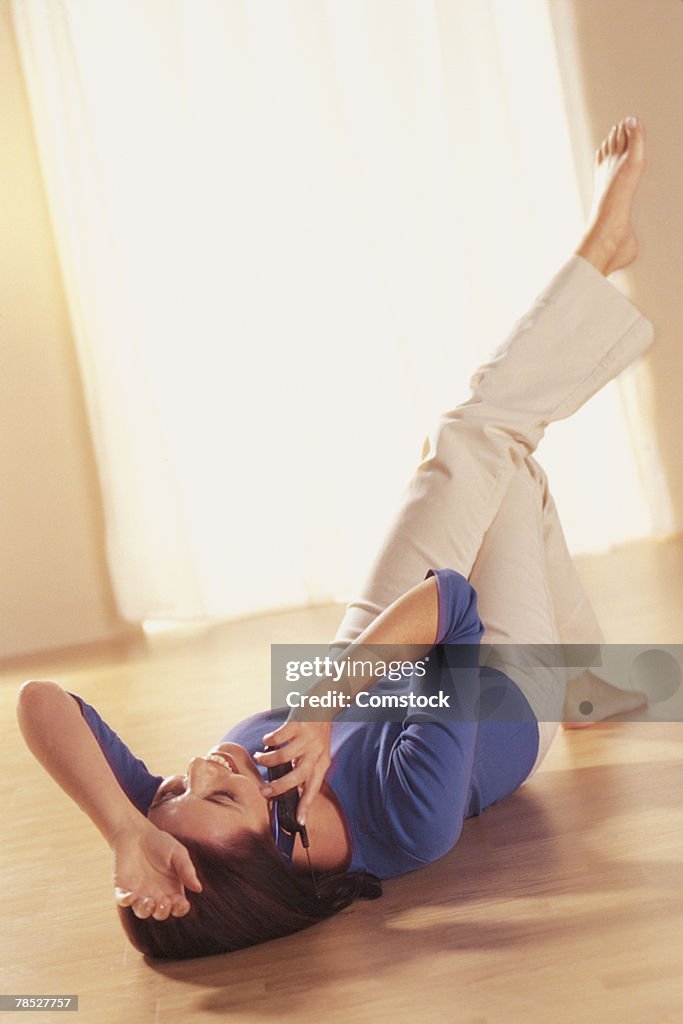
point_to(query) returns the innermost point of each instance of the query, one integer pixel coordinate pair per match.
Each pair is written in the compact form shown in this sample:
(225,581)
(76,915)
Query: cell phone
(284,825)
(287,803)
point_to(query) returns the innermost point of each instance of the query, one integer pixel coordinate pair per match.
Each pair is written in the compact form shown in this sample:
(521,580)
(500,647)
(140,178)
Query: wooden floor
(562,903)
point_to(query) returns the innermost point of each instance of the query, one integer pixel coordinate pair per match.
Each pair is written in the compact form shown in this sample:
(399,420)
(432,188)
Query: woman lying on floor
(202,863)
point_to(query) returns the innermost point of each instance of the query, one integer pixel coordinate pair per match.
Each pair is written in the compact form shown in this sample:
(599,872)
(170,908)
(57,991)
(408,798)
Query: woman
(476,550)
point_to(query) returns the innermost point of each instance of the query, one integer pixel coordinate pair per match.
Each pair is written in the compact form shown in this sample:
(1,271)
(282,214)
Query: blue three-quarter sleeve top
(404,786)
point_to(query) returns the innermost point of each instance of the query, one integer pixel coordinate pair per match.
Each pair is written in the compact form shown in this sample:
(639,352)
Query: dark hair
(248,896)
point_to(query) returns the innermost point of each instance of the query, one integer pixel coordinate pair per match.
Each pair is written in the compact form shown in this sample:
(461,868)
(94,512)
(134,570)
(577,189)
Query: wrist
(128,825)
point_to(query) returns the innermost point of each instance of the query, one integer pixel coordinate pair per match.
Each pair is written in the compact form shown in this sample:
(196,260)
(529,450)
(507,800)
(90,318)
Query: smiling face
(218,799)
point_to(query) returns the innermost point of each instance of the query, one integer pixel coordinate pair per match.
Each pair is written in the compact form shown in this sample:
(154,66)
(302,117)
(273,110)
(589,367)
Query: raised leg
(580,333)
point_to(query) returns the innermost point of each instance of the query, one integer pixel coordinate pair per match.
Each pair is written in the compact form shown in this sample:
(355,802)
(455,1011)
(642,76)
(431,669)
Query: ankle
(598,251)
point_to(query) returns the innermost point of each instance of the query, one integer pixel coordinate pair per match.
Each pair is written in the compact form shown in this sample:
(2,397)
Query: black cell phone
(288,803)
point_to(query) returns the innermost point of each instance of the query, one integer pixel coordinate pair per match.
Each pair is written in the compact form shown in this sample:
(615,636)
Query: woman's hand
(151,870)
(307,744)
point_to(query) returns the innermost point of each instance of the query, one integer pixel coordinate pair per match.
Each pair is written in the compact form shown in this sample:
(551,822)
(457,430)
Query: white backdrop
(289,233)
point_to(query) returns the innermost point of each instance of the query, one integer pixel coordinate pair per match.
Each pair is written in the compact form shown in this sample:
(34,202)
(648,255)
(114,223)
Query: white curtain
(289,232)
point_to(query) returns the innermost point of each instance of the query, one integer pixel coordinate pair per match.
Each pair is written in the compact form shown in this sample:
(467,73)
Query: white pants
(480,503)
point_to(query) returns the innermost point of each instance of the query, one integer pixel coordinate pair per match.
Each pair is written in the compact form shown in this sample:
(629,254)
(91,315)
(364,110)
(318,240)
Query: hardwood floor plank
(562,903)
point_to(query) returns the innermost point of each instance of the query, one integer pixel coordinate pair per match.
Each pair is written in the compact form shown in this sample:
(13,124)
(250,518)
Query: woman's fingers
(185,870)
(152,872)
(180,908)
(311,789)
(298,741)
(309,767)
(143,907)
(297,777)
(280,735)
(271,758)
(161,910)
(307,748)
(295,750)
(124,897)
(148,906)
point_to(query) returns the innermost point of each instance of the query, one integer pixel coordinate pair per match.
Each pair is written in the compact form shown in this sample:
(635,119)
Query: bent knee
(473,449)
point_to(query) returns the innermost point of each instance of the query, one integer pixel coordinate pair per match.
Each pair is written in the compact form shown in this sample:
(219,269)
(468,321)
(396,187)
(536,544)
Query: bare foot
(590,699)
(610,242)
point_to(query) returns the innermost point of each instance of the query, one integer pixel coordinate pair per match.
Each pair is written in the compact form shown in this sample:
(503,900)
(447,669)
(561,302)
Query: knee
(458,442)
(450,435)
(536,472)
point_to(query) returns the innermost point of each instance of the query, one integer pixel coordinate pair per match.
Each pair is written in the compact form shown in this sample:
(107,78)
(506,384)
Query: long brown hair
(248,896)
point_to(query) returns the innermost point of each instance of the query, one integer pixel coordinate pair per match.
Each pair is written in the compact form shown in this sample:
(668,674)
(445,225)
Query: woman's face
(217,799)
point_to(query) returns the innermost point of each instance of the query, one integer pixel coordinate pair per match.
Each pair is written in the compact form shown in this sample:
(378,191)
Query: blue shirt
(404,787)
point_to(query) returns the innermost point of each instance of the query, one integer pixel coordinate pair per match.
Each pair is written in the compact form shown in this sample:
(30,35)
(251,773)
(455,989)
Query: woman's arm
(406,630)
(150,867)
(410,626)
(442,609)
(57,735)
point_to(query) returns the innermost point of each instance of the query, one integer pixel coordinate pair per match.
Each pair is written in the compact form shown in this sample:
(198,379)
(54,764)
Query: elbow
(438,846)
(35,691)
(431,838)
